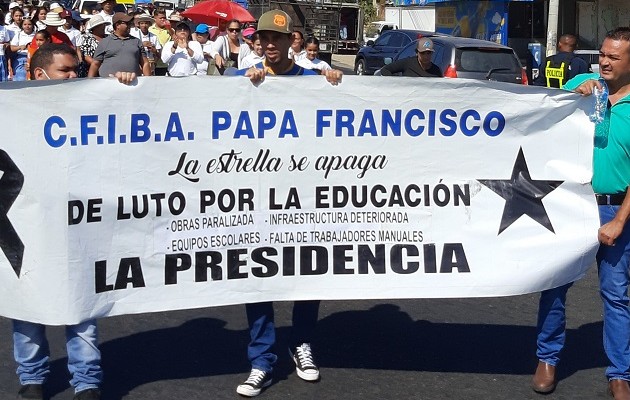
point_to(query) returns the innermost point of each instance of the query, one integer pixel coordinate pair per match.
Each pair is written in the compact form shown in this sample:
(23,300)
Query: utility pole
(552,27)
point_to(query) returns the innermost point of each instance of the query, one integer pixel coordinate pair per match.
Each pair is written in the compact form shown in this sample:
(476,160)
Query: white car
(374,29)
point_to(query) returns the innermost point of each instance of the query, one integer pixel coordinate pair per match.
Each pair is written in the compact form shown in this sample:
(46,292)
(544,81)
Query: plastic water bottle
(601,103)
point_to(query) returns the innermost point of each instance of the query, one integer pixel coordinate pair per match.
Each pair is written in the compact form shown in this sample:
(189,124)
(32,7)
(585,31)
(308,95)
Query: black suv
(459,57)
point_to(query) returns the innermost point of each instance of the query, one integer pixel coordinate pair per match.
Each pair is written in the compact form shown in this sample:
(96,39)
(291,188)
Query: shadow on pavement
(382,337)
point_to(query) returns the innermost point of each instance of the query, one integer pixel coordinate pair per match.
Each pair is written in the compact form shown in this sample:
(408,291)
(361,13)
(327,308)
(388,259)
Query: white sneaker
(304,362)
(255,383)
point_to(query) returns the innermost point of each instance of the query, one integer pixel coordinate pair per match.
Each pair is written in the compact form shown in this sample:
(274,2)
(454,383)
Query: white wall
(420,18)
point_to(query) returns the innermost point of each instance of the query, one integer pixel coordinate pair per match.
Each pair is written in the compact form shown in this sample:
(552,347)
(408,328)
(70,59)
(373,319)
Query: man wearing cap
(53,21)
(68,28)
(164,33)
(150,41)
(107,12)
(120,51)
(420,65)
(275,34)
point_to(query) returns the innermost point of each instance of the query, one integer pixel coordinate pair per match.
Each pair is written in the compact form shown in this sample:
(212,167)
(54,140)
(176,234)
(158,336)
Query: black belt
(610,199)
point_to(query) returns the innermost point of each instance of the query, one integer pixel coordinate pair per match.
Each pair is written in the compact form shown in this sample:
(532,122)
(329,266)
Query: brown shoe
(544,380)
(619,389)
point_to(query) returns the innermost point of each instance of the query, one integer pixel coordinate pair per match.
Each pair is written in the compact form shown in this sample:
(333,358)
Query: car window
(483,60)
(384,39)
(438,55)
(409,51)
(396,40)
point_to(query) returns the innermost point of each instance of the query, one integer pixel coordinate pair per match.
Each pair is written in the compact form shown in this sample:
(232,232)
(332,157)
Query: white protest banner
(183,193)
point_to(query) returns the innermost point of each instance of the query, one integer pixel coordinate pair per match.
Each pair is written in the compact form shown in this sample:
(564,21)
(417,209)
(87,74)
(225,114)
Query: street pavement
(344,62)
(379,349)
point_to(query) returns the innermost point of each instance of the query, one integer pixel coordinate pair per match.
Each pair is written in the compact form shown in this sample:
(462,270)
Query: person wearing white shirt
(5,39)
(182,54)
(202,34)
(67,28)
(107,13)
(256,56)
(150,41)
(311,61)
(19,48)
(296,51)
(16,17)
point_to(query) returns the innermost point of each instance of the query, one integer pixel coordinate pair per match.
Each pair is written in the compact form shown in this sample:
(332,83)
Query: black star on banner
(522,194)
(10,186)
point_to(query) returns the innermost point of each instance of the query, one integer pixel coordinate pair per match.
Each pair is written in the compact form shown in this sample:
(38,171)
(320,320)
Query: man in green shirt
(611,179)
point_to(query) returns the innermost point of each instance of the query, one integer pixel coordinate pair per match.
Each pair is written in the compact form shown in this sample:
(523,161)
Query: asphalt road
(403,349)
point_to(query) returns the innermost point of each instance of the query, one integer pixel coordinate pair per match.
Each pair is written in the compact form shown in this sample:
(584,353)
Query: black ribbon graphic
(10,186)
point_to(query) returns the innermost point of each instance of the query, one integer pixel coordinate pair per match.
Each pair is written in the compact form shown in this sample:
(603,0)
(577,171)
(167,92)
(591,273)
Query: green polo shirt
(611,152)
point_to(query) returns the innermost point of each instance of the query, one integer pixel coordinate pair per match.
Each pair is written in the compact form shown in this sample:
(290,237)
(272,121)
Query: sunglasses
(237,30)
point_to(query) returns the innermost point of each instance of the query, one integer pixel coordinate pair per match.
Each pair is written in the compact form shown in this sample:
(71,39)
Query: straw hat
(95,21)
(53,19)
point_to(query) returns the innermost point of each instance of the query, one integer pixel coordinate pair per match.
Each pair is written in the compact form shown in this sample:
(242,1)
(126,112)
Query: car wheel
(359,67)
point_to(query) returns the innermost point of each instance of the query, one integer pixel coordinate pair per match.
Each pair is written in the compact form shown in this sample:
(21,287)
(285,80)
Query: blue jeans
(613,262)
(551,326)
(262,330)
(30,348)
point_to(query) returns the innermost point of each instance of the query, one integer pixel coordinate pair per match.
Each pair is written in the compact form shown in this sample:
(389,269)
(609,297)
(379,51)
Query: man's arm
(93,72)
(145,66)
(610,231)
(397,67)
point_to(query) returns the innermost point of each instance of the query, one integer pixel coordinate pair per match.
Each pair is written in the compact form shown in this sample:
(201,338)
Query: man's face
(424,56)
(122,28)
(276,46)
(108,6)
(202,38)
(63,66)
(614,60)
(144,26)
(160,20)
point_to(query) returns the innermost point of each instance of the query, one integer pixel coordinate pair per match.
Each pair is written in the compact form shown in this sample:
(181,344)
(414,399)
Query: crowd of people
(162,45)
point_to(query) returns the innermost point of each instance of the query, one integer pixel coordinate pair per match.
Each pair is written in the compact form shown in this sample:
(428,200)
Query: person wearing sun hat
(150,41)
(53,21)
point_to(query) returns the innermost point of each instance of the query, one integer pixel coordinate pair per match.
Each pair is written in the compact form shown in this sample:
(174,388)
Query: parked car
(591,57)
(371,57)
(459,57)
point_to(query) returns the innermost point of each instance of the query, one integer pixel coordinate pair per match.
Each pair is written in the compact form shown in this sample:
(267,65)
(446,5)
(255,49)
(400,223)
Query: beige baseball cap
(275,20)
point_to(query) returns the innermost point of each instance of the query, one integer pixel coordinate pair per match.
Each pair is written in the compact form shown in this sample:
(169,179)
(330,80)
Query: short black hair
(43,57)
(621,33)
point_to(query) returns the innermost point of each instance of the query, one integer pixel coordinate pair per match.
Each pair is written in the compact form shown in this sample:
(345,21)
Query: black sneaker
(255,383)
(31,392)
(304,362)
(88,394)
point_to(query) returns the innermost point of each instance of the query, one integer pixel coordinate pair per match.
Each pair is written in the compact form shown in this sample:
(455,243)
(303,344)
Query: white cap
(56,7)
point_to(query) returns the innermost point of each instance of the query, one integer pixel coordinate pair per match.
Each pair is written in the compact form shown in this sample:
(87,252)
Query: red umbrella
(212,11)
